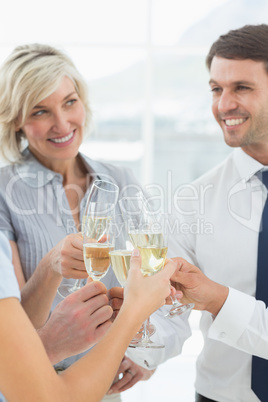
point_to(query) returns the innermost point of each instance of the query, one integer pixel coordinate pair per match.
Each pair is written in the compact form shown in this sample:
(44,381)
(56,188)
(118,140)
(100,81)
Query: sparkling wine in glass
(145,234)
(97,236)
(138,233)
(98,233)
(98,241)
(120,263)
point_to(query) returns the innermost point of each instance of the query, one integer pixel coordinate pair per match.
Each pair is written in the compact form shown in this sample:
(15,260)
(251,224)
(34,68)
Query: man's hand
(77,323)
(116,298)
(197,288)
(131,373)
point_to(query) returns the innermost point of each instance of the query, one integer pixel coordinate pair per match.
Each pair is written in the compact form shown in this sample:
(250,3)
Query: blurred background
(144,61)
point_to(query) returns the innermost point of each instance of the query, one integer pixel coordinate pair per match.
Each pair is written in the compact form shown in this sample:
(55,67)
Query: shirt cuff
(233,318)
(10,236)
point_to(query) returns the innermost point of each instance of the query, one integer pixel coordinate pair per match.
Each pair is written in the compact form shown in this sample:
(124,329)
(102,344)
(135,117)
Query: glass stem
(175,302)
(145,336)
(77,284)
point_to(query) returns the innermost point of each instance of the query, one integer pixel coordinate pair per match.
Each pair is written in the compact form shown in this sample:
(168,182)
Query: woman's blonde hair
(30,74)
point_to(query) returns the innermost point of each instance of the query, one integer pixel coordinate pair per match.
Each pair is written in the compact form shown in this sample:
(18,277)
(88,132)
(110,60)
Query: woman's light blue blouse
(34,209)
(8,283)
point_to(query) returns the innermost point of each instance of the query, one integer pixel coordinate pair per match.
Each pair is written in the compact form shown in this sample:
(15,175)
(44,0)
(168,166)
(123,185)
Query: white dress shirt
(218,219)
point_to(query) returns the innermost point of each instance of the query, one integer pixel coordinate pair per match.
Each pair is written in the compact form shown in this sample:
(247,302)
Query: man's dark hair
(248,42)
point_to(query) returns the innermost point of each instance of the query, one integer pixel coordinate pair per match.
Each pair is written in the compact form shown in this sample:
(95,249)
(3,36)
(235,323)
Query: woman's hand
(147,294)
(66,258)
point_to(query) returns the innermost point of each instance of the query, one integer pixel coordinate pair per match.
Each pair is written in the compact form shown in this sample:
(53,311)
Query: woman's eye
(39,113)
(71,102)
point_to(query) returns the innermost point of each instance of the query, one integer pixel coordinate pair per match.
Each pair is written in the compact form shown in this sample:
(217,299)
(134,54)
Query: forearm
(55,354)
(39,292)
(35,378)
(104,359)
(33,374)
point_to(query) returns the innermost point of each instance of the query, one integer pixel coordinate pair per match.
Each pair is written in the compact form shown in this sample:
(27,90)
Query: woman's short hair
(30,74)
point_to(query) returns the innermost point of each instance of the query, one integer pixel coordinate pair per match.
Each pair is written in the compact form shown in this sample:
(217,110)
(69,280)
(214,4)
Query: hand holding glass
(147,237)
(96,223)
(98,236)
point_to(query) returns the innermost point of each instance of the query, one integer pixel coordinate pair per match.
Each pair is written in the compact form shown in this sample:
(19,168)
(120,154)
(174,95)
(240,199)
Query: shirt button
(50,176)
(222,335)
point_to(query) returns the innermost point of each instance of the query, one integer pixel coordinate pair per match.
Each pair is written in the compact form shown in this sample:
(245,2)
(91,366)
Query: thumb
(169,269)
(89,279)
(135,260)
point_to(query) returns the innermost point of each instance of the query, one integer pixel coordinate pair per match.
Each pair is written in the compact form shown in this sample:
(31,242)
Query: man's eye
(215,90)
(242,88)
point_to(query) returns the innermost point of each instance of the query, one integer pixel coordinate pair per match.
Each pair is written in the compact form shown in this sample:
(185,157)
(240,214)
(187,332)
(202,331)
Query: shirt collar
(36,175)
(246,165)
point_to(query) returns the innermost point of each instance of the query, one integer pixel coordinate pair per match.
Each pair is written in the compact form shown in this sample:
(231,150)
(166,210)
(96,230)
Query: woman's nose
(61,124)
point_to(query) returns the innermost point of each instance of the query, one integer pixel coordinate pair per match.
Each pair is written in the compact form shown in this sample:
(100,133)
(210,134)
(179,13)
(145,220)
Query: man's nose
(227,102)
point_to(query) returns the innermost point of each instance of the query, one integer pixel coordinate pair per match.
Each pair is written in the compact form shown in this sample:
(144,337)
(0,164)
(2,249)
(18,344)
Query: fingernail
(135,252)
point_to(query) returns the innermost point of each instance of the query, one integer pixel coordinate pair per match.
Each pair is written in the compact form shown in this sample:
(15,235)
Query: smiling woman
(43,102)
(45,87)
(54,127)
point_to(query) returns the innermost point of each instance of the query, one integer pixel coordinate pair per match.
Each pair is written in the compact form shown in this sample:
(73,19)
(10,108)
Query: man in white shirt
(217,222)
(219,219)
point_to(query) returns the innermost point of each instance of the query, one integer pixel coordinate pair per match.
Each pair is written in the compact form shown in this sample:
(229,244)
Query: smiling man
(233,364)
(240,100)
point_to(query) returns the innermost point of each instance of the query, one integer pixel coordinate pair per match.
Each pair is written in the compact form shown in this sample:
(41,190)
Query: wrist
(131,316)
(219,295)
(49,263)
(47,345)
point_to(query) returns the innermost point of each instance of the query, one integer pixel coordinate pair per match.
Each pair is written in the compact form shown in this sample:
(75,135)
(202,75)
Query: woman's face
(54,127)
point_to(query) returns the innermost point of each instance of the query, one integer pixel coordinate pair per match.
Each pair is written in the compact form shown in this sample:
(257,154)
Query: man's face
(240,102)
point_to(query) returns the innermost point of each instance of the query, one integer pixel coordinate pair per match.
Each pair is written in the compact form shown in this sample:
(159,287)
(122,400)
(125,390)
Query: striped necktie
(260,366)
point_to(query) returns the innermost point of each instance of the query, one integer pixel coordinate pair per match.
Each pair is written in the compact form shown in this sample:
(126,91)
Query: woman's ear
(17,123)
(17,126)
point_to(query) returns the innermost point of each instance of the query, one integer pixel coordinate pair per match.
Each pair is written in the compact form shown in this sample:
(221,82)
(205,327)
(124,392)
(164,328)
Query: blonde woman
(44,116)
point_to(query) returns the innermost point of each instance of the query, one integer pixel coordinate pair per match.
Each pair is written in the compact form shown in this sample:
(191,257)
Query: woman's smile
(65,140)
(55,126)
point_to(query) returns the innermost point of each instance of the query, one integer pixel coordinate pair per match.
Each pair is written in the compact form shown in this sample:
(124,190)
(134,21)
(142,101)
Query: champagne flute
(120,263)
(98,241)
(120,256)
(100,204)
(146,235)
(98,233)
(148,219)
